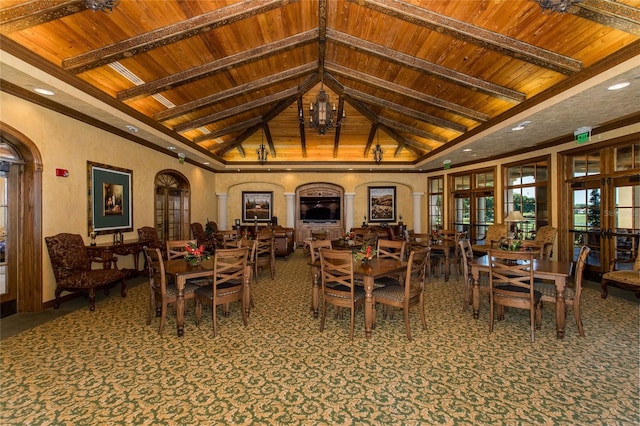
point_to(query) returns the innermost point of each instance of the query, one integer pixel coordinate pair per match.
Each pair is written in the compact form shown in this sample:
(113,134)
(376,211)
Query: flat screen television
(319,209)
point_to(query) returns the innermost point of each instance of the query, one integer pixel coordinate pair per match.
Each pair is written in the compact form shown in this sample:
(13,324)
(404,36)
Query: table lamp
(514,217)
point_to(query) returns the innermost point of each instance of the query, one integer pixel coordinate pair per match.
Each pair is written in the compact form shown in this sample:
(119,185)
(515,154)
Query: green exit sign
(582,135)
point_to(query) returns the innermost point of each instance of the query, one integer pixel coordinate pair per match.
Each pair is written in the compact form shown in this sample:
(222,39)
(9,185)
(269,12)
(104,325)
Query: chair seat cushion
(223,289)
(172,291)
(513,288)
(549,290)
(342,291)
(390,292)
(91,278)
(627,277)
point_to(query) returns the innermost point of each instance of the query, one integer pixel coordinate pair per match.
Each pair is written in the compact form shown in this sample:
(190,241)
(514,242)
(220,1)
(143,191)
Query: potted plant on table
(195,254)
(365,254)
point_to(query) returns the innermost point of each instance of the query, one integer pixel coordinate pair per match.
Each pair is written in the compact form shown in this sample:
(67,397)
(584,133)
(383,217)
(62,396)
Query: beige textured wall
(68,144)
(282,182)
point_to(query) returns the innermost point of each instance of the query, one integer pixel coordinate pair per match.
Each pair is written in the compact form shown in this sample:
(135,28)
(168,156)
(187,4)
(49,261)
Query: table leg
(475,273)
(560,307)
(180,281)
(315,292)
(368,304)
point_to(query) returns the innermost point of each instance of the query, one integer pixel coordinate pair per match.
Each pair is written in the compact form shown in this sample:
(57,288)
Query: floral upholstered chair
(72,268)
(628,278)
(494,234)
(547,235)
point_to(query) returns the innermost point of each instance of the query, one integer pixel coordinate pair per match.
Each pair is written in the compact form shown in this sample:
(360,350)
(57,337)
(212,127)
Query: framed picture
(382,204)
(110,207)
(257,206)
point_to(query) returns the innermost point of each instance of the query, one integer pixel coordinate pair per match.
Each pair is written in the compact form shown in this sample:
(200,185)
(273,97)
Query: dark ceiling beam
(472,34)
(303,138)
(267,134)
(30,14)
(208,119)
(370,138)
(322,35)
(211,68)
(411,130)
(609,13)
(240,90)
(396,89)
(338,120)
(420,65)
(229,129)
(402,142)
(170,34)
(427,118)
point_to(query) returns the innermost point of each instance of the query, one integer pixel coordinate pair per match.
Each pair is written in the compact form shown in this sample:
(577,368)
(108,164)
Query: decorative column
(222,210)
(417,211)
(348,211)
(290,198)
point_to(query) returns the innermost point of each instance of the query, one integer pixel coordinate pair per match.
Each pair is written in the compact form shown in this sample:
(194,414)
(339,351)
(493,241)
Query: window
(526,190)
(436,193)
(473,202)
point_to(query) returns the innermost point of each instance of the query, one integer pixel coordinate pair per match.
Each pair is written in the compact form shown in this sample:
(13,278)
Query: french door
(172,210)
(605,198)
(473,203)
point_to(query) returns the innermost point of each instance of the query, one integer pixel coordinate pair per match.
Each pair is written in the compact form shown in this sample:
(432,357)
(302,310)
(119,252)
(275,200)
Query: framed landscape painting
(257,206)
(110,207)
(382,204)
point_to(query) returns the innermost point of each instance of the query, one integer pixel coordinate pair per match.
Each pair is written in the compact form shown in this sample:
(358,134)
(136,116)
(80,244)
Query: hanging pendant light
(262,151)
(378,151)
(103,5)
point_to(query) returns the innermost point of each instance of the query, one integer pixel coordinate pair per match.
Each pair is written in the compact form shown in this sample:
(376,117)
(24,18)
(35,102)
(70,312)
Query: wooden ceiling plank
(208,119)
(611,14)
(473,34)
(387,86)
(436,121)
(223,148)
(30,14)
(229,129)
(235,91)
(411,130)
(170,34)
(213,67)
(402,142)
(423,66)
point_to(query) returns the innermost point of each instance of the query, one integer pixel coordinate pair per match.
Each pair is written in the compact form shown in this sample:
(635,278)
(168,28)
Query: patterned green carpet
(108,367)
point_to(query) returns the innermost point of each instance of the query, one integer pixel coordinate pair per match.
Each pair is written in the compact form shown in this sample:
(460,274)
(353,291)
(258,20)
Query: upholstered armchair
(209,240)
(547,235)
(628,279)
(494,234)
(72,268)
(284,240)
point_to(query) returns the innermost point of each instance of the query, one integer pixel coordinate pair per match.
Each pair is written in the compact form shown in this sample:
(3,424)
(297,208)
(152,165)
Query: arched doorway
(173,206)
(23,218)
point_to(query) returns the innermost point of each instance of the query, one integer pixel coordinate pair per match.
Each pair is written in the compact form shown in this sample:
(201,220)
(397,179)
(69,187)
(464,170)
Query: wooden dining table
(558,272)
(376,268)
(182,271)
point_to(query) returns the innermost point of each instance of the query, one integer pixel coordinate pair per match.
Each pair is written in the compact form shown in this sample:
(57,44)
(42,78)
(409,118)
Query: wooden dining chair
(251,259)
(450,257)
(573,291)
(511,285)
(177,249)
(408,292)
(338,287)
(314,250)
(265,254)
(467,256)
(162,293)
(391,249)
(228,278)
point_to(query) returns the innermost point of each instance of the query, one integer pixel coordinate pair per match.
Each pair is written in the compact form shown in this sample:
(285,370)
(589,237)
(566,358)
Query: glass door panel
(586,222)
(624,223)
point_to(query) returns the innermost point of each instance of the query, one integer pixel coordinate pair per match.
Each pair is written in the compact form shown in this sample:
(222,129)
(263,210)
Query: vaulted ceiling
(420,77)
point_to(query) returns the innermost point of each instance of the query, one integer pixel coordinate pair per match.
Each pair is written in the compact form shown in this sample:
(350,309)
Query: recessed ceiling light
(45,92)
(206,162)
(132,129)
(467,150)
(618,86)
(172,148)
(521,125)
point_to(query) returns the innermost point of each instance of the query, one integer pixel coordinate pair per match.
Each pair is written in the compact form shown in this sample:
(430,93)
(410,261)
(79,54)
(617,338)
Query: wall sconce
(262,151)
(181,157)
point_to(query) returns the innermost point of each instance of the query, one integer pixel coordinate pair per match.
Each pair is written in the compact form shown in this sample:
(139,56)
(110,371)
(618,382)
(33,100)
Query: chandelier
(262,151)
(556,5)
(377,152)
(103,5)
(321,113)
